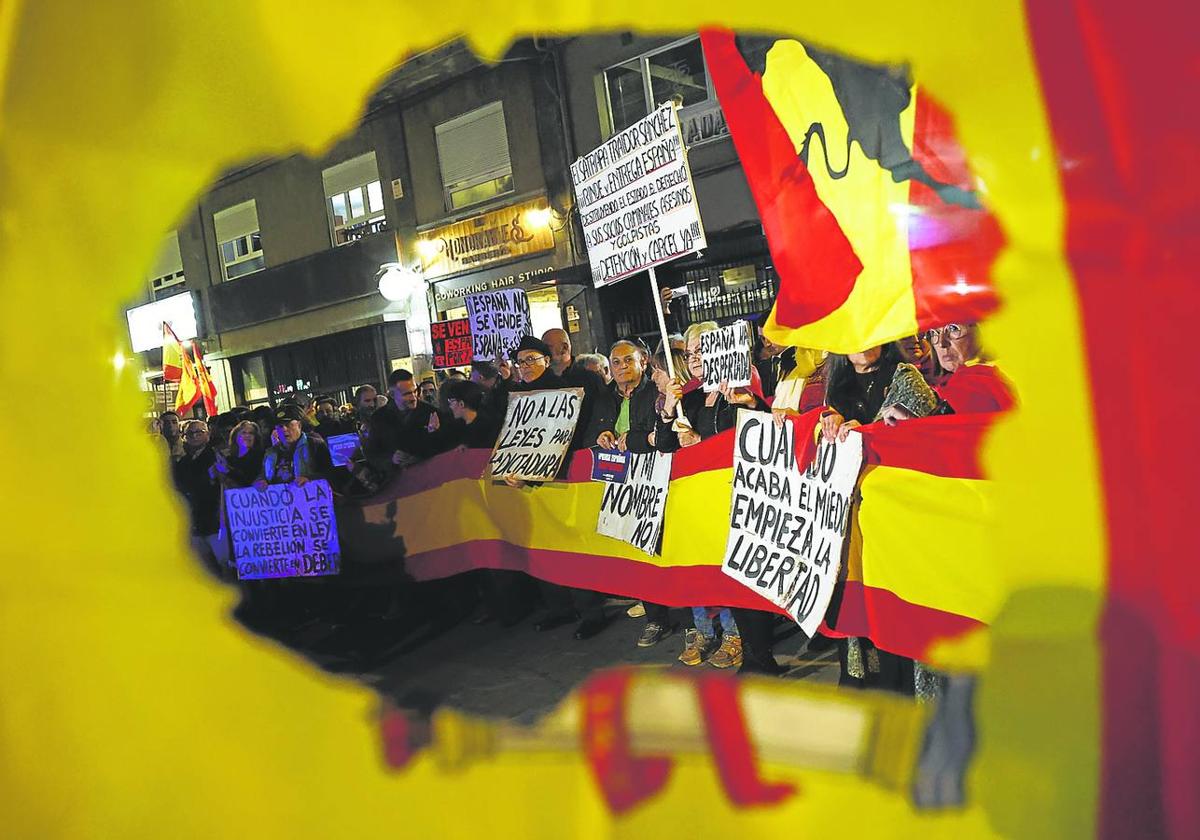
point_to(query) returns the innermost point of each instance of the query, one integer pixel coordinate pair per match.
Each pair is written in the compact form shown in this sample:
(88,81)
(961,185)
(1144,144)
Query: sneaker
(696,647)
(729,655)
(636,611)
(653,634)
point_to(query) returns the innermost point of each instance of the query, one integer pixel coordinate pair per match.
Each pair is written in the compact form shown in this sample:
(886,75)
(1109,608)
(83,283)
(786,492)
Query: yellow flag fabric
(130,706)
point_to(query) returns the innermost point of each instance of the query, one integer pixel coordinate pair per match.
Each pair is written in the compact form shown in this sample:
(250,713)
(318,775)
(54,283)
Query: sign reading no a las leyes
(536,434)
(636,200)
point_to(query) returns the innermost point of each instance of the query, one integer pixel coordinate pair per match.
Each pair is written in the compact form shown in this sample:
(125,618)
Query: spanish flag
(208,388)
(173,354)
(869,207)
(132,706)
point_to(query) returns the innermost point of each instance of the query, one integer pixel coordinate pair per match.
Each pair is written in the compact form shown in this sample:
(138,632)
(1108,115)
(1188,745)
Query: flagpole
(666,343)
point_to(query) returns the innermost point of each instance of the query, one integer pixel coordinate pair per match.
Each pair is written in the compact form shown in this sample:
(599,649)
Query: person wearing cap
(297,457)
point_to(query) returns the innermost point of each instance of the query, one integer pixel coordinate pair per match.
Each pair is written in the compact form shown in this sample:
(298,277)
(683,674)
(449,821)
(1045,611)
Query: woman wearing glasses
(962,375)
(706,415)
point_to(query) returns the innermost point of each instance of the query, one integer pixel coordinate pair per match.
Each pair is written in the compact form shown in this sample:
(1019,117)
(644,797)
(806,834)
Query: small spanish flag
(866,200)
(173,355)
(208,388)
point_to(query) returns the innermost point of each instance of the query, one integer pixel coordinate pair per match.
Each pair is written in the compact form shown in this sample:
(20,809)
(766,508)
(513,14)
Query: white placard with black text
(636,200)
(633,511)
(536,434)
(726,355)
(787,528)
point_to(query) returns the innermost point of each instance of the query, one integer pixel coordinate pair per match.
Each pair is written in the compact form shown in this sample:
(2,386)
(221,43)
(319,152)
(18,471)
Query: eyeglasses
(689,355)
(529,361)
(951,331)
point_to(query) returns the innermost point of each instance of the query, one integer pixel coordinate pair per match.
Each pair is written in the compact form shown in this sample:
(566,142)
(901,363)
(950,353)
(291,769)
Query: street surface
(512,673)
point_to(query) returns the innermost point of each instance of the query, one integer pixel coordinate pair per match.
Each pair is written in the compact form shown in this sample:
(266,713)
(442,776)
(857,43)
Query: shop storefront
(522,246)
(332,365)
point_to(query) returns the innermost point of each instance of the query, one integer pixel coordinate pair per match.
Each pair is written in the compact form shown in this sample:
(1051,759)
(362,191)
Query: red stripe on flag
(816,263)
(946,446)
(893,624)
(1114,77)
(674,586)
(952,247)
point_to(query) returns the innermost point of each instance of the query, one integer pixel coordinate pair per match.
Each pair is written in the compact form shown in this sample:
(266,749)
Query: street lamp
(406,288)
(399,283)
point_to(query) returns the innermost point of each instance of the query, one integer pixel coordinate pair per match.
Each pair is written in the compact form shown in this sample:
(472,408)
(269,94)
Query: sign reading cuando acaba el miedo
(513,231)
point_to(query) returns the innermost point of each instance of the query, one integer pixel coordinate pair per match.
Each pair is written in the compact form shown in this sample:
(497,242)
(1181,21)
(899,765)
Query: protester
(243,463)
(862,388)
(476,427)
(626,421)
(193,475)
(168,423)
(298,457)
(404,431)
(962,375)
(366,402)
(706,415)
(429,392)
(485,374)
(597,364)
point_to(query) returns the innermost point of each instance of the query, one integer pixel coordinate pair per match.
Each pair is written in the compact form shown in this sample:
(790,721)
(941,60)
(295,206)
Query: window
(635,87)
(473,156)
(166,275)
(238,240)
(254,379)
(354,199)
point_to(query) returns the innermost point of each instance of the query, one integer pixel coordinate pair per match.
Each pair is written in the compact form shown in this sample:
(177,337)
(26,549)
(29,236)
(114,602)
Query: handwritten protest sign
(284,531)
(726,355)
(452,345)
(633,511)
(498,322)
(341,447)
(787,528)
(636,200)
(536,434)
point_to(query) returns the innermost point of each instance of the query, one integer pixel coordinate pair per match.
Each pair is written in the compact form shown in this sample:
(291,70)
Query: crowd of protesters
(633,401)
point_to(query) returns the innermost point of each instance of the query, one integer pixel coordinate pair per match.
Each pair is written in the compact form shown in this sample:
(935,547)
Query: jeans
(705,624)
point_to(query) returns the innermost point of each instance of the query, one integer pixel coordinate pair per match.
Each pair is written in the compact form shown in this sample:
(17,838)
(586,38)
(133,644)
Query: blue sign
(610,465)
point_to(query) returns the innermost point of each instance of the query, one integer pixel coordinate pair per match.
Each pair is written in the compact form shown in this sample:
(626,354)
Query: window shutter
(239,220)
(350,174)
(395,339)
(474,147)
(169,262)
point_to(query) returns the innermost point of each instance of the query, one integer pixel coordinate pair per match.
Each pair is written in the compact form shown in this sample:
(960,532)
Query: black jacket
(390,429)
(643,415)
(203,496)
(706,420)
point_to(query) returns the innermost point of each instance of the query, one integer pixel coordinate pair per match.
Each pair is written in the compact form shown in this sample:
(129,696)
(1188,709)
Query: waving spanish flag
(173,355)
(208,388)
(865,196)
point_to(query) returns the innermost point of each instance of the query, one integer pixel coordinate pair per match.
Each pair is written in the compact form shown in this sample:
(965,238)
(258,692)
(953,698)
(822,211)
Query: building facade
(459,172)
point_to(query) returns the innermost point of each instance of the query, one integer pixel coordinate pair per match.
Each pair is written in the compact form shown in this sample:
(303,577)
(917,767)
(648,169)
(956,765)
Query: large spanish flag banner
(131,706)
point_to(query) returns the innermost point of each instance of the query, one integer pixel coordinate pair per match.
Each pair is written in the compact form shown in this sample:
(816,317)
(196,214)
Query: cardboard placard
(341,448)
(452,345)
(636,199)
(633,511)
(610,465)
(787,529)
(726,354)
(498,322)
(285,531)
(536,434)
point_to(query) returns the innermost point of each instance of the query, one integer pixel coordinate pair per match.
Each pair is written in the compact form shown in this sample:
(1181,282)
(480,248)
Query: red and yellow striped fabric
(922,487)
(870,209)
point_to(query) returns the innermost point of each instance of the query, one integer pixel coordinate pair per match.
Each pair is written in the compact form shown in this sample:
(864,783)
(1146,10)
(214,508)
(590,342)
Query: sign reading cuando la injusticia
(636,200)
